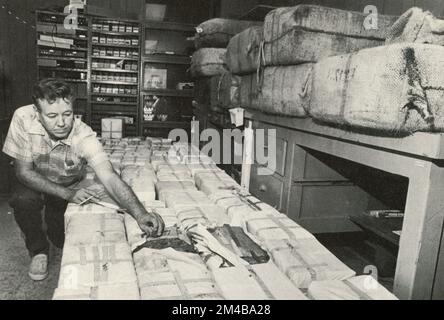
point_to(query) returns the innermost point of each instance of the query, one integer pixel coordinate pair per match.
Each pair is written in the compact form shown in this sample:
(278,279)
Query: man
(50,150)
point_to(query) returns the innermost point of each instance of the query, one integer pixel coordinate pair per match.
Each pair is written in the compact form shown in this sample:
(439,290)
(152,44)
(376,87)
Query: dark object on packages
(235,240)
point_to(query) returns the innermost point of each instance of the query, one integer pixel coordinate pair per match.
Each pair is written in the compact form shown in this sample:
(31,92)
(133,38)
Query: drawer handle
(263,188)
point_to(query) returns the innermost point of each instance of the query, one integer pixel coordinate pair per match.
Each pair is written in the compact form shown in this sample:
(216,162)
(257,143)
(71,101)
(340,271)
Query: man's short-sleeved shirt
(62,162)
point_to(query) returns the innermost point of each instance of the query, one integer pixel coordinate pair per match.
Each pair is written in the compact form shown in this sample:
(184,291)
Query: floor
(14,261)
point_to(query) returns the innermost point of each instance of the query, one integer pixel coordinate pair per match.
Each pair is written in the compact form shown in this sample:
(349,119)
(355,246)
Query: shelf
(113,33)
(114,95)
(114,58)
(57,48)
(112,103)
(115,70)
(61,35)
(117,113)
(74,80)
(169,92)
(62,58)
(61,26)
(166,59)
(112,45)
(169,26)
(62,69)
(115,82)
(60,14)
(166,124)
(381,227)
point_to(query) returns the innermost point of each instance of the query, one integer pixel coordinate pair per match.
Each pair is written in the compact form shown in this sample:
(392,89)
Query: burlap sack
(419,26)
(216,33)
(208,62)
(399,92)
(243,51)
(280,90)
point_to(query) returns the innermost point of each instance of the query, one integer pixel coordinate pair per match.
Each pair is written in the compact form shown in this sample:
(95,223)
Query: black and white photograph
(221,155)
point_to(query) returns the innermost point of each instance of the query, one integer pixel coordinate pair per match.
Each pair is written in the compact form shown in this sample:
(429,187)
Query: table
(420,158)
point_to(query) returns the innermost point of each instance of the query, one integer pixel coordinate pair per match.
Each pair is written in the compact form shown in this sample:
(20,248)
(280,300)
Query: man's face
(57,118)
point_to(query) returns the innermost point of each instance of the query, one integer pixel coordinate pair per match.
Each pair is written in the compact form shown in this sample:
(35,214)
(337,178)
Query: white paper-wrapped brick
(259,282)
(175,176)
(88,229)
(185,199)
(95,265)
(87,209)
(220,176)
(196,168)
(305,261)
(210,216)
(357,288)
(275,227)
(240,205)
(171,275)
(127,292)
(196,159)
(172,168)
(165,186)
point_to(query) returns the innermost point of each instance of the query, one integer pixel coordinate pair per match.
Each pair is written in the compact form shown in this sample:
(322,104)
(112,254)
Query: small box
(113,128)
(129,29)
(155,78)
(122,28)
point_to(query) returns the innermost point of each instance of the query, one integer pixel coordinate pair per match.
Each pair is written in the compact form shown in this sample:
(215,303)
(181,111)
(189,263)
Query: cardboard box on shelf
(113,128)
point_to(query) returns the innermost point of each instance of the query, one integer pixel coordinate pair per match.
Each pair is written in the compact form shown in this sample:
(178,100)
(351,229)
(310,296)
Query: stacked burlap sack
(276,61)
(216,87)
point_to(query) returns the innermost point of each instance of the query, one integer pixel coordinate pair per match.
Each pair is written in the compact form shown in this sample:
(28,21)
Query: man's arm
(26,174)
(151,222)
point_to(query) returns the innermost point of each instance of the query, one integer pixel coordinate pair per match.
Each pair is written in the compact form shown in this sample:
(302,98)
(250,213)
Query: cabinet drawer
(267,188)
(281,152)
(315,166)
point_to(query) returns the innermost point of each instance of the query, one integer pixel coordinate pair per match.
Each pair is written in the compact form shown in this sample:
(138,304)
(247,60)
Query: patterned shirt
(62,162)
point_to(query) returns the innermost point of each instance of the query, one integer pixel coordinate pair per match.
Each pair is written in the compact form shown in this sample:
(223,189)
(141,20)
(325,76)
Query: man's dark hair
(51,90)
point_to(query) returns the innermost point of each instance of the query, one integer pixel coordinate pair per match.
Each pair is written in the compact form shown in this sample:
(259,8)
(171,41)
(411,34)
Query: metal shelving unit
(63,63)
(112,42)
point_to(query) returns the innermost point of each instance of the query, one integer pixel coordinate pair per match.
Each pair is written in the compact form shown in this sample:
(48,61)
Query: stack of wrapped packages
(220,242)
(97,262)
(334,66)
(216,87)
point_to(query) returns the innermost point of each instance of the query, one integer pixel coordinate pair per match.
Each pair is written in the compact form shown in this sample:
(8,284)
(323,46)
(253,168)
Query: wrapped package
(172,275)
(243,51)
(210,216)
(98,228)
(127,292)
(308,33)
(216,33)
(95,265)
(400,92)
(306,260)
(283,90)
(208,62)
(258,282)
(357,288)
(185,199)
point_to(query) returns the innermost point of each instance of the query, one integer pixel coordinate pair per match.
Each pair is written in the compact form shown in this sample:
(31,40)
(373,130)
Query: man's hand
(152,224)
(82,195)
